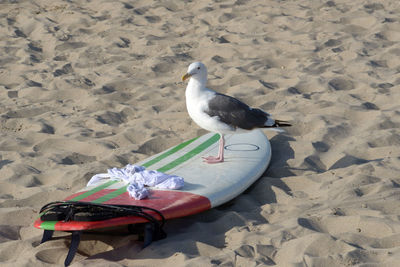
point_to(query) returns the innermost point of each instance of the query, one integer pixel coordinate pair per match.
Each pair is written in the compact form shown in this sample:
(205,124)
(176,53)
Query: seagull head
(196,70)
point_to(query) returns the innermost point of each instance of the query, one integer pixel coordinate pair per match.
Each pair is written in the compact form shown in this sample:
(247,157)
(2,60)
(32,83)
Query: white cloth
(138,178)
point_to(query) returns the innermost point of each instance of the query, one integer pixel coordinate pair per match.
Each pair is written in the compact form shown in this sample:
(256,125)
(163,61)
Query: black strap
(75,239)
(148,235)
(47,235)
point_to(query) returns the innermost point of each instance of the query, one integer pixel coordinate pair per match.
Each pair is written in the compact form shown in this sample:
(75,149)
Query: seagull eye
(198,68)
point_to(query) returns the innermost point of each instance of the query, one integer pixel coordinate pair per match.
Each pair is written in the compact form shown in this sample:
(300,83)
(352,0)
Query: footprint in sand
(226,17)
(66,69)
(315,163)
(112,118)
(341,84)
(320,146)
(153,19)
(26,112)
(47,128)
(76,159)
(124,42)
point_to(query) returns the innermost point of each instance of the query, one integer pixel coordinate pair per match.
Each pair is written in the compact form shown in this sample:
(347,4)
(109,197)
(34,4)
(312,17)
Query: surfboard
(206,186)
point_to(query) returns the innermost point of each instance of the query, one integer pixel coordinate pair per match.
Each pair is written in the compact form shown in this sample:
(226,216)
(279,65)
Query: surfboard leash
(86,211)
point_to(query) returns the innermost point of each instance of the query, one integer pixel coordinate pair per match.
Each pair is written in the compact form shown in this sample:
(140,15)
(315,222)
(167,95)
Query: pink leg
(220,157)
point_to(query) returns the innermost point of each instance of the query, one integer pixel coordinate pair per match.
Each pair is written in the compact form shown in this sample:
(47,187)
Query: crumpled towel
(138,178)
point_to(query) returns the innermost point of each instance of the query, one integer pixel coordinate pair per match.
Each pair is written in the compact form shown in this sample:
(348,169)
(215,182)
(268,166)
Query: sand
(88,85)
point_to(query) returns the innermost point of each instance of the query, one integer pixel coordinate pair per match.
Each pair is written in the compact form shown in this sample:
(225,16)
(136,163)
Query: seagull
(221,113)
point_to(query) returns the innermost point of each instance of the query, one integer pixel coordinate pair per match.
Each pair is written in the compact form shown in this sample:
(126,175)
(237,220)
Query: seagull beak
(186,76)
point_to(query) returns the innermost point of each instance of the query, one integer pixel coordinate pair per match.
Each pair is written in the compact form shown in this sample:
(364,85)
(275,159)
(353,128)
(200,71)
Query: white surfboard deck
(247,156)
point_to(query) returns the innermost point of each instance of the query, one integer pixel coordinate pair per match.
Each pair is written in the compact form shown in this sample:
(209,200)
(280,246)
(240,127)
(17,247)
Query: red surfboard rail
(172,204)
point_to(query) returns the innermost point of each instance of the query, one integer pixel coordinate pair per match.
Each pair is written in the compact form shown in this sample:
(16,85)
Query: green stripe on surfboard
(190,154)
(147,164)
(48,225)
(94,190)
(168,153)
(111,195)
(195,151)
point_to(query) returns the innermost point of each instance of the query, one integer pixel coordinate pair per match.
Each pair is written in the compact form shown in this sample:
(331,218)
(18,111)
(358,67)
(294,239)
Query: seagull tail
(274,125)
(281,123)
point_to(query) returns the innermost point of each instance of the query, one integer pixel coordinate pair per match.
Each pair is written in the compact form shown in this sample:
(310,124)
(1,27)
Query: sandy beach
(89,85)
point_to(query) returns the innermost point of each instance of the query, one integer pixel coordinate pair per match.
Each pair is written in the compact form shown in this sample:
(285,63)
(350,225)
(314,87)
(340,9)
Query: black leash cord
(70,208)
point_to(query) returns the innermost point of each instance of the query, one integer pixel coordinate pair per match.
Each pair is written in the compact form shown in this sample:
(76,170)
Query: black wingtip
(280,123)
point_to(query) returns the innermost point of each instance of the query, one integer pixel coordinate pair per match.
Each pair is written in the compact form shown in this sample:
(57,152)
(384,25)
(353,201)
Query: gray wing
(236,113)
